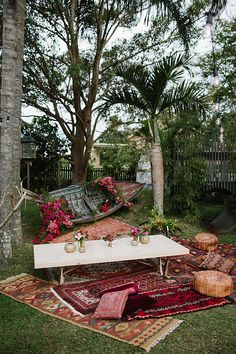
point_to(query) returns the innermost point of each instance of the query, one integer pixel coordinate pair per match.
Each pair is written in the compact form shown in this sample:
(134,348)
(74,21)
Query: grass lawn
(25,330)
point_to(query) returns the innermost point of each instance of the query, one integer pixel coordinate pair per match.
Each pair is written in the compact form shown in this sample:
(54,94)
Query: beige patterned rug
(37,294)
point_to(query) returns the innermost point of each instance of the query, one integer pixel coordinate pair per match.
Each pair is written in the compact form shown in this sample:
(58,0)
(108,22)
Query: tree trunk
(10,143)
(157,176)
(80,157)
(157,171)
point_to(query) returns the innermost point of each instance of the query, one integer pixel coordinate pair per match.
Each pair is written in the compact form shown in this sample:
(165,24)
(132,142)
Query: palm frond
(137,76)
(174,10)
(125,95)
(185,97)
(169,69)
(217,6)
(174,66)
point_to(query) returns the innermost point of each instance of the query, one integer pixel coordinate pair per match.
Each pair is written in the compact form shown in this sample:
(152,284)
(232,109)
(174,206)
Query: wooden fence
(220,160)
(64,175)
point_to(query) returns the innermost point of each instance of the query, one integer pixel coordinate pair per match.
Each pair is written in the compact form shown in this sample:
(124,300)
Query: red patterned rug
(177,299)
(83,297)
(37,294)
(98,229)
(187,266)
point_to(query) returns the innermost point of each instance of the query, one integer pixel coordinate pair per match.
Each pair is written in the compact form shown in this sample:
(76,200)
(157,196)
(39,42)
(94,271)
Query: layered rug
(181,270)
(177,299)
(171,298)
(187,266)
(83,297)
(37,294)
(98,229)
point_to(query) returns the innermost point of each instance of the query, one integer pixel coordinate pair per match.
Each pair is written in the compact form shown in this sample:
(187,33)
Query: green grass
(31,220)
(24,330)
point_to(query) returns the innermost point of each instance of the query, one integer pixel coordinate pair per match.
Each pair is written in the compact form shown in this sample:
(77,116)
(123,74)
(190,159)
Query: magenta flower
(56,215)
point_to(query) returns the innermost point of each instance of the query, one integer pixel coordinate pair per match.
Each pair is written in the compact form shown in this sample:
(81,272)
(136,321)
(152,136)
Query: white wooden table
(97,251)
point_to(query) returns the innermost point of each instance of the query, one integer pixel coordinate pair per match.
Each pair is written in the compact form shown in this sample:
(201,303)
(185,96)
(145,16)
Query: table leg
(61,276)
(160,266)
(166,268)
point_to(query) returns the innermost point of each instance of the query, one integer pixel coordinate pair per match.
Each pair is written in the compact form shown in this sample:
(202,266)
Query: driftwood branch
(14,208)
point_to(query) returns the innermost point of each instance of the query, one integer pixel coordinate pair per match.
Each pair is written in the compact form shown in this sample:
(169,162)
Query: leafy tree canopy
(70,54)
(49,142)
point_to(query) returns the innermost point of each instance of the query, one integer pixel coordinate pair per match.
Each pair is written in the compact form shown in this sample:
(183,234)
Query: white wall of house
(144,174)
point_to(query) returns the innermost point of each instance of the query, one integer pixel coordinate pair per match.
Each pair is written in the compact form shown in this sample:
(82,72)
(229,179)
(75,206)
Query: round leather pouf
(213,283)
(206,242)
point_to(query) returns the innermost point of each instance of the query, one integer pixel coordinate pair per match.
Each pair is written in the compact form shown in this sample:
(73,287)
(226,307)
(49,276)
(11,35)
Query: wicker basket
(206,242)
(213,283)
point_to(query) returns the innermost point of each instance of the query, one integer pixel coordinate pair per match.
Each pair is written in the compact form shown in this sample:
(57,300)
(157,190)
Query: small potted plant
(144,235)
(135,236)
(108,238)
(139,236)
(81,237)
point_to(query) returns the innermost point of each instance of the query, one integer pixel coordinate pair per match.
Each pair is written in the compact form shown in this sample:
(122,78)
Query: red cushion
(137,302)
(112,304)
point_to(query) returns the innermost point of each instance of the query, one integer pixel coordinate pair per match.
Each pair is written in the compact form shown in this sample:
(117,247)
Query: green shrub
(188,184)
(161,224)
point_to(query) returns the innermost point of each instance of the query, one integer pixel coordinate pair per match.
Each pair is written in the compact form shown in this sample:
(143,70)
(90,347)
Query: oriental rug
(83,297)
(187,266)
(98,229)
(177,299)
(105,271)
(36,293)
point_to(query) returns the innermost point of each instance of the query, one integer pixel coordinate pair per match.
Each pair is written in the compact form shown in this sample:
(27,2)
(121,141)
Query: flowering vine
(56,216)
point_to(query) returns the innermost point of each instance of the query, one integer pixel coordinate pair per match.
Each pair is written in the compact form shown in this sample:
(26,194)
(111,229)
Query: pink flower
(55,216)
(134,231)
(67,223)
(104,208)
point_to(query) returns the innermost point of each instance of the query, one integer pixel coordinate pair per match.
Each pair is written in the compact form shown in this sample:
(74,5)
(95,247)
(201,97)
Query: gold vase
(144,239)
(70,247)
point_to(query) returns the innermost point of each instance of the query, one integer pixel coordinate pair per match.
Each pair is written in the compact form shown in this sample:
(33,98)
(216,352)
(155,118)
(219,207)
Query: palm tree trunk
(157,170)
(10,126)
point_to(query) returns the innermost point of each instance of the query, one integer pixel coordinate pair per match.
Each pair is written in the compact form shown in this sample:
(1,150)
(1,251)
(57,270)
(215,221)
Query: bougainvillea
(113,194)
(56,216)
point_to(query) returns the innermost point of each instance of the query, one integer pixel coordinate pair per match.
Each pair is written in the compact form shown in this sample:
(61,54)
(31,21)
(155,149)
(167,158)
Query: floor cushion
(112,304)
(206,241)
(213,283)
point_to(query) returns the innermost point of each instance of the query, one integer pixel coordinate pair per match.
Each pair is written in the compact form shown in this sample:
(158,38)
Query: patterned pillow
(112,304)
(215,261)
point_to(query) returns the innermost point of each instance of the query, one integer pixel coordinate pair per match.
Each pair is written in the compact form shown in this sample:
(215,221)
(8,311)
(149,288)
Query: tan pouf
(213,283)
(206,242)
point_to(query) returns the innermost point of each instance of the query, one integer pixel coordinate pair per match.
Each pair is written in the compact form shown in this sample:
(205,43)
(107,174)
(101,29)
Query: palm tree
(150,92)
